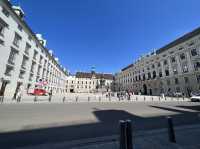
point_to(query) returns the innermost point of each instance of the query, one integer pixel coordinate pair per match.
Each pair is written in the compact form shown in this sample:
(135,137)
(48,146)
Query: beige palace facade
(172,68)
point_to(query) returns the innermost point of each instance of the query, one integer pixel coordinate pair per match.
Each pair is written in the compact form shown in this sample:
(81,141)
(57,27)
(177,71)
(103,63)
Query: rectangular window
(27,48)
(12,56)
(2,42)
(24,62)
(33,66)
(21,74)
(186,79)
(167,72)
(31,77)
(198,78)
(176,81)
(17,40)
(35,54)
(193,52)
(165,62)
(196,66)
(182,56)
(173,60)
(9,70)
(5,12)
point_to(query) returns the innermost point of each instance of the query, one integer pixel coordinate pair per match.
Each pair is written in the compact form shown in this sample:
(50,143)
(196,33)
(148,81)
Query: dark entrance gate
(145,89)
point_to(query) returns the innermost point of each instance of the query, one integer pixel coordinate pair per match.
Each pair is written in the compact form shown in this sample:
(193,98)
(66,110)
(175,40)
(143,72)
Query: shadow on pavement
(196,108)
(107,125)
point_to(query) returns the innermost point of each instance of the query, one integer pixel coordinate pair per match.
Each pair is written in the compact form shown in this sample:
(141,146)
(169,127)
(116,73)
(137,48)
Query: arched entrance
(145,89)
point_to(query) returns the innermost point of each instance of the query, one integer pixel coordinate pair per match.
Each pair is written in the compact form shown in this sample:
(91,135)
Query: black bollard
(129,135)
(171,132)
(144,98)
(122,134)
(35,98)
(50,98)
(152,98)
(64,99)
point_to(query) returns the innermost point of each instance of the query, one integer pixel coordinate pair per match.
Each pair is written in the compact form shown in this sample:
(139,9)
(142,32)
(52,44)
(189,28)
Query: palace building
(25,60)
(89,82)
(172,68)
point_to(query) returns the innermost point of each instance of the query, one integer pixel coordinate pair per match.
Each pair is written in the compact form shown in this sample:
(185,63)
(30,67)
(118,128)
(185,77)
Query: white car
(195,98)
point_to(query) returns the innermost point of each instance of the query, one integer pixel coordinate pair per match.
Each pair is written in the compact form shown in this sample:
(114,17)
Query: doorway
(71,90)
(150,91)
(145,89)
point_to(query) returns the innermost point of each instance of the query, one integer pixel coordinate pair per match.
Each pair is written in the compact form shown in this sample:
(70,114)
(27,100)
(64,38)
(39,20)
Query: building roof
(179,40)
(127,67)
(32,33)
(96,75)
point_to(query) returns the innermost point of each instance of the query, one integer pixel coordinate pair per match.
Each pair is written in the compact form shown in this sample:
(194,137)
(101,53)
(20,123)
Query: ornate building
(172,68)
(88,82)
(25,60)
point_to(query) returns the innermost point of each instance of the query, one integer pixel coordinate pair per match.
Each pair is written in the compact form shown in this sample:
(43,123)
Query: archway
(145,89)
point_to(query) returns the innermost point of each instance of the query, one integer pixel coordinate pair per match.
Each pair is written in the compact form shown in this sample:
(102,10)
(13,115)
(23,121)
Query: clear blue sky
(109,34)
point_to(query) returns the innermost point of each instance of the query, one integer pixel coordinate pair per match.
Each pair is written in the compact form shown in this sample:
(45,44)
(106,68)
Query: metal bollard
(144,98)
(1,99)
(129,135)
(171,132)
(64,99)
(152,98)
(183,98)
(122,134)
(99,99)
(136,98)
(50,98)
(165,98)
(35,98)
(88,98)
(76,98)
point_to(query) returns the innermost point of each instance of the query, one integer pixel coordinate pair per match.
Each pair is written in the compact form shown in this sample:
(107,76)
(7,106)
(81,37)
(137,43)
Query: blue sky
(109,34)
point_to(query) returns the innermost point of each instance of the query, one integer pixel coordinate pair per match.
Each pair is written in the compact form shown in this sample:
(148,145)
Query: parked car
(38,92)
(195,93)
(195,98)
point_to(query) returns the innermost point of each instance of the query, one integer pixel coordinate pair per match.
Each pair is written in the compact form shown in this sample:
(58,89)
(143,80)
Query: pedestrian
(19,94)
(50,95)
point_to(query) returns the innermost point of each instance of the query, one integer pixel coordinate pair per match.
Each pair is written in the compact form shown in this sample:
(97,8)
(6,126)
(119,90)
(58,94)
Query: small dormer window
(19,27)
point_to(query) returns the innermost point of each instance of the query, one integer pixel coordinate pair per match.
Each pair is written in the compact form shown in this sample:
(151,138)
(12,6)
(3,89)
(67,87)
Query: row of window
(165,62)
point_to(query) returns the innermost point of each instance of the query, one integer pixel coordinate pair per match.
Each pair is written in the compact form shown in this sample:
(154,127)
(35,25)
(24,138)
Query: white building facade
(85,82)
(173,68)
(25,61)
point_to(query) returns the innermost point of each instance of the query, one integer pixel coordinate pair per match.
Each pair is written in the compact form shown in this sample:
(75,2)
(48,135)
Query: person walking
(50,95)
(19,95)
